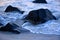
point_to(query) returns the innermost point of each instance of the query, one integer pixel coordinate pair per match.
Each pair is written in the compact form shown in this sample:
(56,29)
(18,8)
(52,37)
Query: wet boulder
(11,28)
(11,9)
(39,1)
(39,16)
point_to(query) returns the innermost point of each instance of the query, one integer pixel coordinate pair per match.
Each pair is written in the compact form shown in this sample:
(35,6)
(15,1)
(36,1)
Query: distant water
(50,27)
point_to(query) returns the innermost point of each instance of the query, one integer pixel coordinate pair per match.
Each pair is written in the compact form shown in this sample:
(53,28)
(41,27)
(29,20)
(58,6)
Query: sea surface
(50,27)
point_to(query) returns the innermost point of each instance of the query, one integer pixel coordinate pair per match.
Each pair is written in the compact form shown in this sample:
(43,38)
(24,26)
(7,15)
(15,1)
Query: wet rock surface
(11,28)
(12,9)
(40,16)
(40,1)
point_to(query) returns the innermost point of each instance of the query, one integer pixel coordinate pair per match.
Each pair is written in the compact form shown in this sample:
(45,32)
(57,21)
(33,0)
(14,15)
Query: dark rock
(10,28)
(39,16)
(11,9)
(39,1)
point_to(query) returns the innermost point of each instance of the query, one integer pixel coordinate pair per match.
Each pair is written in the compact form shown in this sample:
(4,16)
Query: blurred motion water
(50,27)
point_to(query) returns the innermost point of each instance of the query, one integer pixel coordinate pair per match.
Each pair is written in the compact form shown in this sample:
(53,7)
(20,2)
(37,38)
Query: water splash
(50,27)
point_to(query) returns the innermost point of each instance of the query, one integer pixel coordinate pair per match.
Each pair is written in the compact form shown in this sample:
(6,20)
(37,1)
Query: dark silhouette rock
(39,1)
(10,28)
(11,9)
(39,16)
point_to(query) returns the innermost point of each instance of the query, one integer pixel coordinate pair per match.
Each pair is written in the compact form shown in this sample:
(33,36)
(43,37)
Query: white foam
(50,27)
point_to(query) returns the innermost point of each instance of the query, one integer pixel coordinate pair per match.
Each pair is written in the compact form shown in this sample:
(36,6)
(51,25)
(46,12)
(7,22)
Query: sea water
(50,27)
